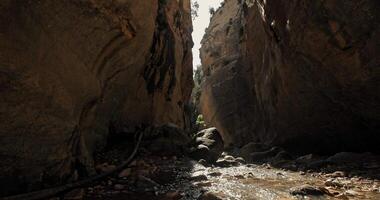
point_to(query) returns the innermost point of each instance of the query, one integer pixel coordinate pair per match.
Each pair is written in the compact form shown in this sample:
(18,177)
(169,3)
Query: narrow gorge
(97,100)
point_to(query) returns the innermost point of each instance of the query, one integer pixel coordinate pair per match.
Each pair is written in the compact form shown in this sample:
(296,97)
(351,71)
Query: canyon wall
(70,70)
(304,75)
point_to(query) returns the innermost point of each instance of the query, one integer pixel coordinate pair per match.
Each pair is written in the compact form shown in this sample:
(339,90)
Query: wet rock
(306,190)
(226,163)
(333,183)
(375,188)
(209,145)
(210,133)
(229,158)
(352,193)
(337,174)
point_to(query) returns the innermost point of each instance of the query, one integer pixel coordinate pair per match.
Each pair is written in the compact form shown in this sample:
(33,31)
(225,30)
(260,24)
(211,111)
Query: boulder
(209,145)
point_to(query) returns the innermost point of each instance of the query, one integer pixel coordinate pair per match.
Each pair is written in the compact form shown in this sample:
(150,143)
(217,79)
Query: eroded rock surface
(303,75)
(70,70)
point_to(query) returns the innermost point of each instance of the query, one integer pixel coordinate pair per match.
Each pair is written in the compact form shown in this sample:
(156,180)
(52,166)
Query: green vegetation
(200,122)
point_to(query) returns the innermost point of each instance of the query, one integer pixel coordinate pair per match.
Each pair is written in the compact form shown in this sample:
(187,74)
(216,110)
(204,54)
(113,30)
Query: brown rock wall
(308,72)
(71,69)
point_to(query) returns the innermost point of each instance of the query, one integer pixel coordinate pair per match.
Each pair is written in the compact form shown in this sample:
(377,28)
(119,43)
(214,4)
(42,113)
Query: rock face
(70,70)
(226,102)
(303,75)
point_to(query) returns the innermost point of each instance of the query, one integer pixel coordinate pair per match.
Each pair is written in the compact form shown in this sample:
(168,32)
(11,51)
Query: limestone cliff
(301,74)
(69,70)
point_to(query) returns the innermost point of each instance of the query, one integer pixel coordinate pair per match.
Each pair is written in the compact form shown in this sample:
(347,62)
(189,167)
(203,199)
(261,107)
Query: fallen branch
(52,192)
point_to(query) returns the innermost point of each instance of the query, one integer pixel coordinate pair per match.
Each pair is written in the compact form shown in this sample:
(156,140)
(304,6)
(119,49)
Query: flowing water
(185,179)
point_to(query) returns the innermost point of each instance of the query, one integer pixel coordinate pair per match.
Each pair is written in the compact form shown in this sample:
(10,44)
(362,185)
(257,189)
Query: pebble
(333,183)
(226,163)
(229,158)
(250,175)
(337,174)
(375,188)
(351,193)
